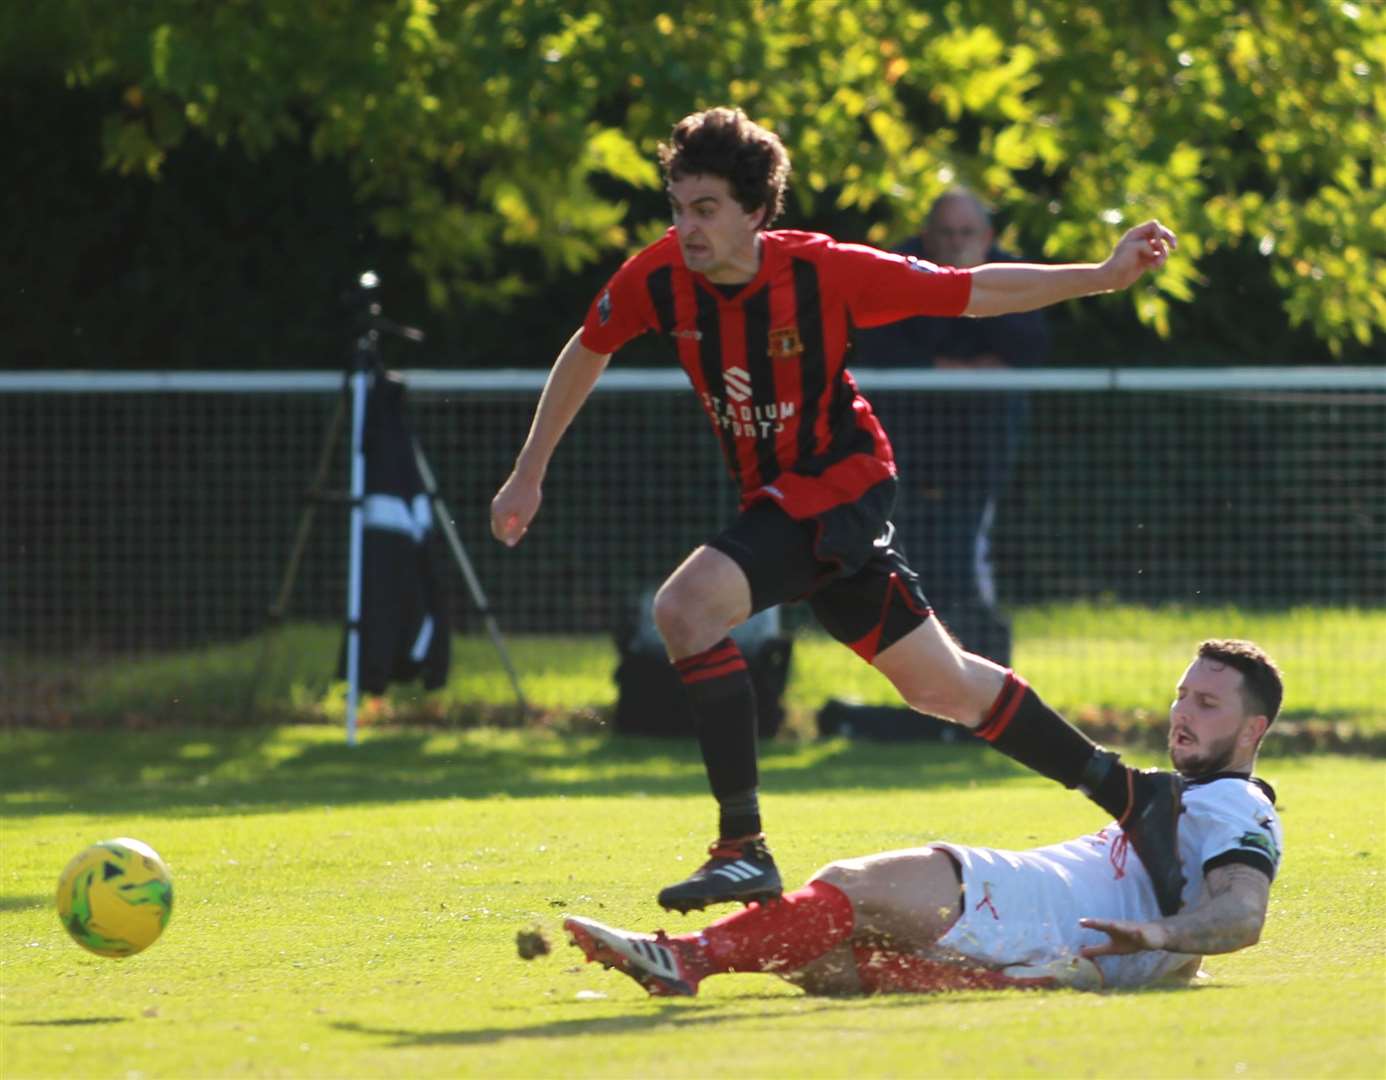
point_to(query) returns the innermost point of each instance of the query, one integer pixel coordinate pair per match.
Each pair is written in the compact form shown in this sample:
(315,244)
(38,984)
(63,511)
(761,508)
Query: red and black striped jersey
(768,358)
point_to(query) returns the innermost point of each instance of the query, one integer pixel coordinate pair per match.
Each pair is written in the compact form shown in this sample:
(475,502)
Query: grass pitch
(1103,664)
(352,913)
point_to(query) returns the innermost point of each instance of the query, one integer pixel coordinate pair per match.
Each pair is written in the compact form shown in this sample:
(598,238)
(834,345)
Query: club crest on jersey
(785,343)
(604,307)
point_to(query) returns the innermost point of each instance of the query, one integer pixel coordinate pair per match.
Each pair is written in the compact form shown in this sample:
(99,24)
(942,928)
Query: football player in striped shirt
(761,320)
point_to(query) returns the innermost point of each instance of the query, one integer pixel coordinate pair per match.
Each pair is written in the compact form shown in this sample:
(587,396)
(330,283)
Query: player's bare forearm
(1004,288)
(570,381)
(1229,918)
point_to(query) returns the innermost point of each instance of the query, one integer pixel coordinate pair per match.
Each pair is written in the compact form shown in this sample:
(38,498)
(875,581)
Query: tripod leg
(359,382)
(305,528)
(459,554)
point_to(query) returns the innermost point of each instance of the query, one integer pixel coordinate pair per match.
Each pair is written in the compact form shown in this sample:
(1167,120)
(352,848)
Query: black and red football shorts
(844,562)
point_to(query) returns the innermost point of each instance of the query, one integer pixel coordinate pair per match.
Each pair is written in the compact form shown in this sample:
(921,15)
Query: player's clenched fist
(513,509)
(1145,247)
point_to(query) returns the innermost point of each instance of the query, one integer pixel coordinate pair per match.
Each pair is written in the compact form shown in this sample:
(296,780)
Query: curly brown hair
(727,143)
(1262,689)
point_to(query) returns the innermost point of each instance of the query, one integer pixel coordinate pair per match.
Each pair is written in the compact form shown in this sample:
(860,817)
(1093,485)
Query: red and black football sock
(1027,730)
(724,706)
(780,936)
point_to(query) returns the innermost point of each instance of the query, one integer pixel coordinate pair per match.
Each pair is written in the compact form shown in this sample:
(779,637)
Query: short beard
(1216,759)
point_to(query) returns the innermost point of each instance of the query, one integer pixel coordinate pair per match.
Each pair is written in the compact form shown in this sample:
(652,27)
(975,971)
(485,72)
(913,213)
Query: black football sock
(724,707)
(1027,730)
(738,815)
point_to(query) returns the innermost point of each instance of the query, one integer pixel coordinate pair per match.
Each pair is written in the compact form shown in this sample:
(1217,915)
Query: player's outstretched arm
(570,381)
(1002,288)
(1229,918)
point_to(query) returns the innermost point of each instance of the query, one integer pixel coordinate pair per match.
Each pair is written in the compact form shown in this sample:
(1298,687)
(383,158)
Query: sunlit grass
(1089,660)
(352,912)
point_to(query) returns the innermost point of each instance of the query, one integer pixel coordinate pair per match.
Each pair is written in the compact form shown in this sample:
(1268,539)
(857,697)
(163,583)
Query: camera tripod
(365,367)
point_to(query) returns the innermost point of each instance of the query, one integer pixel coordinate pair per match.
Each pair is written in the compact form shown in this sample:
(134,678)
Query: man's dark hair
(727,143)
(1262,690)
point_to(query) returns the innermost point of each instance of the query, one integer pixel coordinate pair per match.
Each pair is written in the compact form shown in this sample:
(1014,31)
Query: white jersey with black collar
(1023,907)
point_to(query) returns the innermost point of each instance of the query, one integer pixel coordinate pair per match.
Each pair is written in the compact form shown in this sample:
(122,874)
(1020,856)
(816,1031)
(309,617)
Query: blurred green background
(192,186)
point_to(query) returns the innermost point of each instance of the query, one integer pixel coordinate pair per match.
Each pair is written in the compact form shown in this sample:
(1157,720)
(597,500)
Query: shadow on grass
(29,902)
(74,1021)
(837,1014)
(211,772)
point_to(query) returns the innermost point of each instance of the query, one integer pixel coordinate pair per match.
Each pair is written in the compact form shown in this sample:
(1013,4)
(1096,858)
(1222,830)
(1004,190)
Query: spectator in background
(955,450)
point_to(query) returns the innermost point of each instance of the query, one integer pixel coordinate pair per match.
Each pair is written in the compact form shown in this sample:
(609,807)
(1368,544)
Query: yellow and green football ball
(115,897)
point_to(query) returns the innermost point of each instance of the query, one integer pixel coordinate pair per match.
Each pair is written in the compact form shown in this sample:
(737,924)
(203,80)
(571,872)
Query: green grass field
(1098,663)
(352,913)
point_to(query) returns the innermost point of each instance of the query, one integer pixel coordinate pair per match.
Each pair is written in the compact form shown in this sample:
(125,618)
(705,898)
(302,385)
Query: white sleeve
(1235,823)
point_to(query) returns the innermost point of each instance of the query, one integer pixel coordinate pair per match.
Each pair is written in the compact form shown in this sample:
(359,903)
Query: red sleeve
(882,287)
(622,311)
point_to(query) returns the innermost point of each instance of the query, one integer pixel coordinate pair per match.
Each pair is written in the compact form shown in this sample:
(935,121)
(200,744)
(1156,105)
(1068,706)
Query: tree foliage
(475,132)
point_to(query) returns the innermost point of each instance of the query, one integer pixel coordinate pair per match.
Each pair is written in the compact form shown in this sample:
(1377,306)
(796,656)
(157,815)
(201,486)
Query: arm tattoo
(1230,916)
